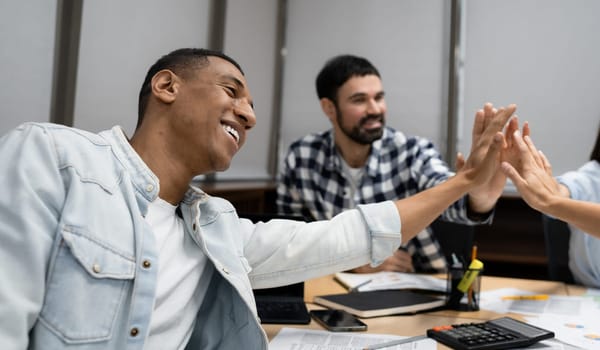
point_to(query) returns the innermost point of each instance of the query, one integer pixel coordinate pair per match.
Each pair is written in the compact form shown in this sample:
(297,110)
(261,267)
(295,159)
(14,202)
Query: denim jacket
(78,263)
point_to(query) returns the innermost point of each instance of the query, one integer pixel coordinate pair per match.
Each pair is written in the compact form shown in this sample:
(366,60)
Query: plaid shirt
(312,184)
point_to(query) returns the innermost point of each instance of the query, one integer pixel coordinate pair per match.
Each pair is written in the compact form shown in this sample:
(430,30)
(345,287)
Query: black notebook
(381,302)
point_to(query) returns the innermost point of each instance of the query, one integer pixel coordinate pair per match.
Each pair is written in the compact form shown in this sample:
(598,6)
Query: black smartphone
(338,320)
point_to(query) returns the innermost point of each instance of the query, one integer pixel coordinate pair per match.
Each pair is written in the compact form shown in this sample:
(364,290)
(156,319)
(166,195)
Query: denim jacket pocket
(86,288)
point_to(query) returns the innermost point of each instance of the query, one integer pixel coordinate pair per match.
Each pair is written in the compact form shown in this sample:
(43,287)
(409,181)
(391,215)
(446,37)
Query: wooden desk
(492,282)
(410,325)
(576,290)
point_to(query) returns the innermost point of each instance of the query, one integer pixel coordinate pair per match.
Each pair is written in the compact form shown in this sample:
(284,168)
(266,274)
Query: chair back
(556,237)
(454,239)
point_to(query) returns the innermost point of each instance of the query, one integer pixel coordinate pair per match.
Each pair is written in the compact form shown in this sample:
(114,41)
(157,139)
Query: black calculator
(501,333)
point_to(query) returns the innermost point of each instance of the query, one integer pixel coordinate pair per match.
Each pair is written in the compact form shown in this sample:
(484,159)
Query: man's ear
(328,107)
(165,85)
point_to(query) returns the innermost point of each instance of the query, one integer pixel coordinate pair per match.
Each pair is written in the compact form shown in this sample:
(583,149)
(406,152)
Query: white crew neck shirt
(353,175)
(178,293)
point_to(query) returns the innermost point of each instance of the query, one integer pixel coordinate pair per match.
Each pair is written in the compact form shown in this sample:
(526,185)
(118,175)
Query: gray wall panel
(27,41)
(542,55)
(250,38)
(406,40)
(120,40)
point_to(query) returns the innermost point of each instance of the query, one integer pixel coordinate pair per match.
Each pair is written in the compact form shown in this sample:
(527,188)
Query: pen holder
(463,287)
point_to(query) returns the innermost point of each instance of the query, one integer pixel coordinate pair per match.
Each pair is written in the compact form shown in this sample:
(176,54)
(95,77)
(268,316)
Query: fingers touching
(460,161)
(481,124)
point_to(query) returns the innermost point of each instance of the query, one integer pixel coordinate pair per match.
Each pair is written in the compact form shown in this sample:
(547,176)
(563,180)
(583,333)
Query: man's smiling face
(360,109)
(213,110)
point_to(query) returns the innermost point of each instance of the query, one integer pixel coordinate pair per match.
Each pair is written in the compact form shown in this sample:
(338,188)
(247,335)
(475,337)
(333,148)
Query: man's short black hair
(182,62)
(338,70)
(596,151)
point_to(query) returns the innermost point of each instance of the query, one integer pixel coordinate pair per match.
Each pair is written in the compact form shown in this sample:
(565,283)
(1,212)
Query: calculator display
(519,327)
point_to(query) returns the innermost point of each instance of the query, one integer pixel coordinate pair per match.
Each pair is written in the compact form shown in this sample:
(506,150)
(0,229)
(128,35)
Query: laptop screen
(292,290)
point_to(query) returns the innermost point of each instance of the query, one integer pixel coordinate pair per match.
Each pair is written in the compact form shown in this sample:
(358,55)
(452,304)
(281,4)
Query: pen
(395,342)
(455,262)
(526,297)
(470,291)
(355,288)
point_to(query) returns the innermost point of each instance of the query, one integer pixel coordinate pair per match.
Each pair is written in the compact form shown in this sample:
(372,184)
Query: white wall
(119,42)
(543,55)
(406,40)
(26,61)
(114,59)
(250,36)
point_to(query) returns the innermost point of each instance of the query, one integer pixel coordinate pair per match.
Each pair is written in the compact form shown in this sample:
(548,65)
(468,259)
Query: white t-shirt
(353,175)
(178,293)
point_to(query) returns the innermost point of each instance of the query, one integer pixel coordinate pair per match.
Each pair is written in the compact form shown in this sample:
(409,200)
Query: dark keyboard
(502,333)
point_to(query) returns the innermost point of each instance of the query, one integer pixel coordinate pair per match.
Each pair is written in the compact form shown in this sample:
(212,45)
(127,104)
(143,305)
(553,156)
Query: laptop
(285,304)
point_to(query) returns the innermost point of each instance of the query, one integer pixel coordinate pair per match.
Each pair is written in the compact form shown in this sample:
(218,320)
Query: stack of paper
(290,338)
(573,319)
(362,282)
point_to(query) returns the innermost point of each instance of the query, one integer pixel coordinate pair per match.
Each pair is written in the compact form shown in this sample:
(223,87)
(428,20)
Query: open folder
(381,302)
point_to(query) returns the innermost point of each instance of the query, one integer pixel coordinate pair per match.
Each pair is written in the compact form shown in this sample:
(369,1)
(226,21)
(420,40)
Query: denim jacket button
(96,268)
(146,264)
(149,187)
(134,332)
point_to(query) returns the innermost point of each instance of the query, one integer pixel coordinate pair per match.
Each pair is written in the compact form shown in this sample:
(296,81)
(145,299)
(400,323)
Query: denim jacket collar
(143,179)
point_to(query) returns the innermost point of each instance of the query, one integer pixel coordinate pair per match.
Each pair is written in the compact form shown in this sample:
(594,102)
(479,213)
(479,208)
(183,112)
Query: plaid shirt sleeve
(295,193)
(426,253)
(427,169)
(288,198)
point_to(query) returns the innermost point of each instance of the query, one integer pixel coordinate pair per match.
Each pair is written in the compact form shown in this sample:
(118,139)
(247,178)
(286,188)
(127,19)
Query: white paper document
(308,339)
(582,330)
(390,280)
(555,304)
(592,292)
(582,333)
(551,344)
(573,319)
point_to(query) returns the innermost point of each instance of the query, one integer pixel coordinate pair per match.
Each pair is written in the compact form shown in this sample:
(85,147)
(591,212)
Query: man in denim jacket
(107,244)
